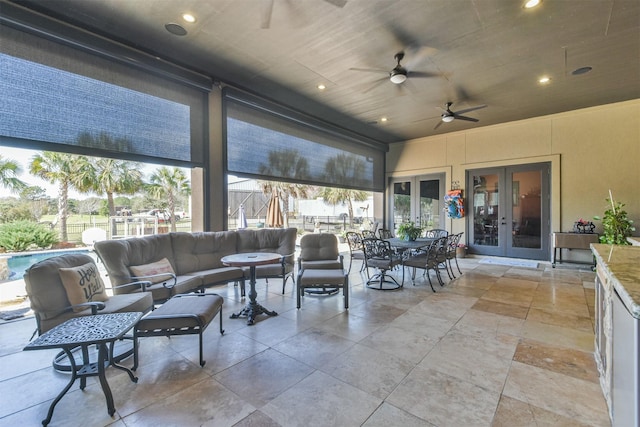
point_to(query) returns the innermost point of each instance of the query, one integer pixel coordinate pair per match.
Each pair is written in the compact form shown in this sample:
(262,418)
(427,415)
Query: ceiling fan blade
(422,74)
(468,119)
(418,54)
(375,84)
(370,70)
(337,3)
(466,110)
(265,17)
(438,124)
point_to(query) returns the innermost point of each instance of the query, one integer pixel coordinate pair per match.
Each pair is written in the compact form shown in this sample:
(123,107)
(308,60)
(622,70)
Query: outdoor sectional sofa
(177,263)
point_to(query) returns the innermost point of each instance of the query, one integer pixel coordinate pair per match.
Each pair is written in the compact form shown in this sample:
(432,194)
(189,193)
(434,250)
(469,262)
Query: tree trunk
(172,212)
(63,192)
(111,206)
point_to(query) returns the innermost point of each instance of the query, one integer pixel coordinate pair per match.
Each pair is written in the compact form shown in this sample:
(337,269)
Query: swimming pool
(18,263)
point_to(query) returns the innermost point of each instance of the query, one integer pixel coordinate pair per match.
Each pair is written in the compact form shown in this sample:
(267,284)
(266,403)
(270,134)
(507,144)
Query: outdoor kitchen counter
(617,330)
(621,265)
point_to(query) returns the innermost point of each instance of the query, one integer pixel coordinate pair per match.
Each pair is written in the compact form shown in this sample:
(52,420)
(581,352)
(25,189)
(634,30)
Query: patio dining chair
(380,255)
(452,250)
(429,260)
(436,233)
(383,233)
(355,249)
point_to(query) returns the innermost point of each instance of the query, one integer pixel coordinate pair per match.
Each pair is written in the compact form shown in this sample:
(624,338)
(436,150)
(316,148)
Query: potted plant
(461,250)
(616,225)
(409,231)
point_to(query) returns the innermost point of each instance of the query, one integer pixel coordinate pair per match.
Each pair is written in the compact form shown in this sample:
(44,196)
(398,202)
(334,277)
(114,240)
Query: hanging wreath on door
(454,204)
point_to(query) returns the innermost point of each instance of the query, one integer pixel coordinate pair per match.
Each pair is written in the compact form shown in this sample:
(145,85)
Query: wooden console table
(572,241)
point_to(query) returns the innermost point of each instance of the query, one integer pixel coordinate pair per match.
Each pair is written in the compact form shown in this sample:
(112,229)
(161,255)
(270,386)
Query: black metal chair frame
(452,251)
(355,249)
(380,255)
(436,233)
(429,260)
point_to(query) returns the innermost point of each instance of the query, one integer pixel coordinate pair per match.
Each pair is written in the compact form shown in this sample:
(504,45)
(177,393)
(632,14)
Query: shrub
(23,235)
(10,212)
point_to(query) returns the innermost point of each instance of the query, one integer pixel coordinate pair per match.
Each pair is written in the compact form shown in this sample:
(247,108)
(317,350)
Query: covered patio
(470,354)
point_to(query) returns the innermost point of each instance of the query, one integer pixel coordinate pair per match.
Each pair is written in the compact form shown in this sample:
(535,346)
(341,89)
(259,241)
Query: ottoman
(183,314)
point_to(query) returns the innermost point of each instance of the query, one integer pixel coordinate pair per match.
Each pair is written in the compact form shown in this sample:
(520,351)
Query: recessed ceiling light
(531,3)
(383,119)
(321,87)
(544,80)
(189,18)
(176,29)
(581,70)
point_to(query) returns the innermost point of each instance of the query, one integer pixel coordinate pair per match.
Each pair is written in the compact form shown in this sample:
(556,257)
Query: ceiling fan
(398,74)
(267,10)
(448,116)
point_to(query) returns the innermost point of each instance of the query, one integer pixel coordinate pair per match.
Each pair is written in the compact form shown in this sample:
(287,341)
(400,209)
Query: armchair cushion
(83,284)
(155,272)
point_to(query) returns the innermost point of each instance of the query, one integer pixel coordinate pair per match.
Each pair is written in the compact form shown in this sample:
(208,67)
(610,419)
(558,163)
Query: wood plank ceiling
(482,51)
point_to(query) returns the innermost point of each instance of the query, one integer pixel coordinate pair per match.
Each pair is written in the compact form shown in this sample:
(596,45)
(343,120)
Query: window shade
(55,94)
(267,141)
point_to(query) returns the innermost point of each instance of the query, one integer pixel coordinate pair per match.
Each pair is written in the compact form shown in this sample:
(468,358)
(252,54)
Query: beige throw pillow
(83,284)
(158,267)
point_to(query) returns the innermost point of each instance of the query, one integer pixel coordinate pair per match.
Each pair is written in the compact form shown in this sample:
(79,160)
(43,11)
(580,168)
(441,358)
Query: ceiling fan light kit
(447,118)
(397,77)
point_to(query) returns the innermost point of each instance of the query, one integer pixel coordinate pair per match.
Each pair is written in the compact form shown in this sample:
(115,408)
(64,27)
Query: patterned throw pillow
(83,284)
(158,267)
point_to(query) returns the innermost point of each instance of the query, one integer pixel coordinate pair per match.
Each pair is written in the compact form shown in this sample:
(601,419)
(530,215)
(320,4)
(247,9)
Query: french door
(509,211)
(418,199)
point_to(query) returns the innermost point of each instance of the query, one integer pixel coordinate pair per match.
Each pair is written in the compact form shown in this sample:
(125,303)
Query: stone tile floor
(497,346)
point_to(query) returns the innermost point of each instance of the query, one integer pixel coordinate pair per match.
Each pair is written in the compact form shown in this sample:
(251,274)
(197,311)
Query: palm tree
(66,170)
(169,184)
(345,169)
(113,176)
(286,164)
(336,196)
(9,171)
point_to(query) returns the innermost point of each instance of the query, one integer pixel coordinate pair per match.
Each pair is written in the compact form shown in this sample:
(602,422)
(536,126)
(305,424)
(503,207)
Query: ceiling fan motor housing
(398,75)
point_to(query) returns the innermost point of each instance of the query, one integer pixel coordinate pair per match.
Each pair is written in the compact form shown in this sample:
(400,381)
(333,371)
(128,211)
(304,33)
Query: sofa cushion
(118,255)
(184,284)
(83,284)
(277,240)
(200,251)
(219,275)
(162,271)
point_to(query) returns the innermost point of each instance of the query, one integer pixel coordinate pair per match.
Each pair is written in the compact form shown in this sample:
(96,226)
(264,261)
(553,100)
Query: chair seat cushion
(311,277)
(324,264)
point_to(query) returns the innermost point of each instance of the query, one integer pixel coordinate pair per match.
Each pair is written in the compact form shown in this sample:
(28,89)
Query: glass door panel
(526,209)
(430,204)
(401,203)
(486,209)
